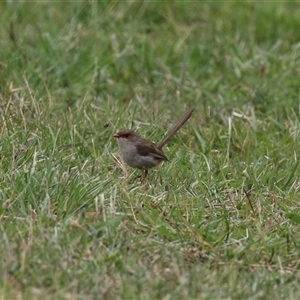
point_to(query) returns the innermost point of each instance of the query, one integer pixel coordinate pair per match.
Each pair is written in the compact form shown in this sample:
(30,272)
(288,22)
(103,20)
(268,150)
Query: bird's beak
(116,136)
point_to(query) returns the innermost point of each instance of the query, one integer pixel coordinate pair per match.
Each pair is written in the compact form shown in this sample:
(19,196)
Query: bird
(140,153)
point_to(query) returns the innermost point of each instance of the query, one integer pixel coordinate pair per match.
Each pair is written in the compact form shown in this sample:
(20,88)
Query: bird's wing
(145,149)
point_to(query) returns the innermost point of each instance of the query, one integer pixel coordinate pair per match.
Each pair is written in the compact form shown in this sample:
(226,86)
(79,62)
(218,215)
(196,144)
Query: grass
(220,221)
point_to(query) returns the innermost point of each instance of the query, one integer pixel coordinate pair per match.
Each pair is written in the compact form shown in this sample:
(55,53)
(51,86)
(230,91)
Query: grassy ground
(220,221)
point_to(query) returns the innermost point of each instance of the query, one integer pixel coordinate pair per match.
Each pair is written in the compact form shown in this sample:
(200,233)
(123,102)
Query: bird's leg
(144,175)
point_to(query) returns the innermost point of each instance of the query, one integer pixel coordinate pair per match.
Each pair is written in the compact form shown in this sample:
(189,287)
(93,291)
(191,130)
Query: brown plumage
(142,154)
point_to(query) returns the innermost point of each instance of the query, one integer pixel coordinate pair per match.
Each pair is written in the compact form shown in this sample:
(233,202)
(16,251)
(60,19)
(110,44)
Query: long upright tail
(179,124)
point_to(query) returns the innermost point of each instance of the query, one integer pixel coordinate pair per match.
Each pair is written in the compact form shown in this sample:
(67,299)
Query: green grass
(220,220)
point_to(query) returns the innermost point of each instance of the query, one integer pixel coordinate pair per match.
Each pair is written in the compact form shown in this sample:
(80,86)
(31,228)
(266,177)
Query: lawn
(221,220)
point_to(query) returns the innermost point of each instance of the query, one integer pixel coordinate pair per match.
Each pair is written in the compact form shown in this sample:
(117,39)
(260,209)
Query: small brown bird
(142,154)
